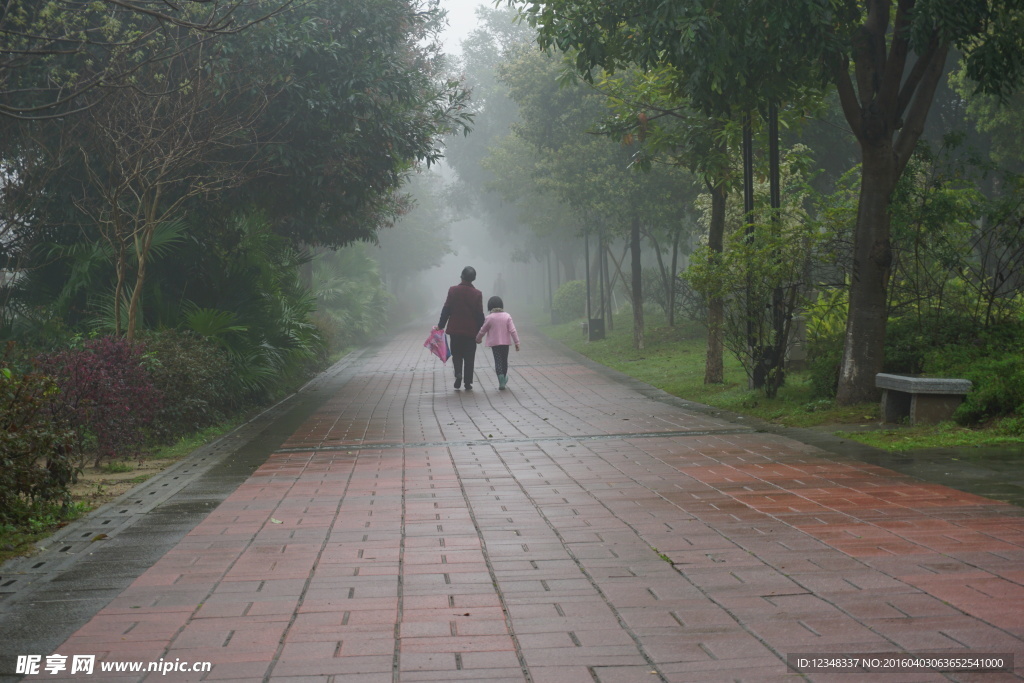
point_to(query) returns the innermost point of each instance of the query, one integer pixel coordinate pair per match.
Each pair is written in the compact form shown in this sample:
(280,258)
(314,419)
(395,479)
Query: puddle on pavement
(992,471)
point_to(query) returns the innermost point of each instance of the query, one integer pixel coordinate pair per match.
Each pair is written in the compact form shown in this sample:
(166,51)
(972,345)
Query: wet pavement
(580,526)
(995,472)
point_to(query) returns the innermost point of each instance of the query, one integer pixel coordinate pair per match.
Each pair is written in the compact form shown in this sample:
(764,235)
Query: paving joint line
(539,509)
(268,674)
(515,440)
(640,536)
(396,658)
(766,562)
(520,655)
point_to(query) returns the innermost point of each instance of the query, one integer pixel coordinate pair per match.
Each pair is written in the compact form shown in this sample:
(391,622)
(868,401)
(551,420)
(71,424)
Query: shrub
(1011,426)
(570,301)
(824,361)
(37,454)
(998,389)
(908,341)
(653,288)
(105,394)
(193,376)
(993,360)
(690,305)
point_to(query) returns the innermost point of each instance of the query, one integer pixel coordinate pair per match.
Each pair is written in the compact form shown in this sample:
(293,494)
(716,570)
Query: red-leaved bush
(105,394)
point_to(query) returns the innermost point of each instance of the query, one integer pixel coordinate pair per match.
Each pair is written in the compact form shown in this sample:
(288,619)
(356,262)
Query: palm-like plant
(256,308)
(350,297)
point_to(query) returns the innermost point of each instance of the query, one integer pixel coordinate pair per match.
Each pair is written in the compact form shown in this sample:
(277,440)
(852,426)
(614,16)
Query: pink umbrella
(438,345)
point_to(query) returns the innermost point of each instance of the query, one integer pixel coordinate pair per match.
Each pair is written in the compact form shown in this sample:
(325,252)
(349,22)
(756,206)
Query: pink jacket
(500,330)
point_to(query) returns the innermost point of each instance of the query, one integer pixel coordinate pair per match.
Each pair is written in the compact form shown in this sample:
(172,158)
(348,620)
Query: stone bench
(925,400)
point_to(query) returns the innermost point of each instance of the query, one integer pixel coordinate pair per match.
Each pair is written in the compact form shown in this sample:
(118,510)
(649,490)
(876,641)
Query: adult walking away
(463,314)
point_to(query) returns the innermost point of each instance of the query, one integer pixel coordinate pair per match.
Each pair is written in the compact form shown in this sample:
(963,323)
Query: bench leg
(895,405)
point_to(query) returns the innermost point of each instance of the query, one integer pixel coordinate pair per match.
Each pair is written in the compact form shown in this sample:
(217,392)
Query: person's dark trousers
(500,359)
(463,357)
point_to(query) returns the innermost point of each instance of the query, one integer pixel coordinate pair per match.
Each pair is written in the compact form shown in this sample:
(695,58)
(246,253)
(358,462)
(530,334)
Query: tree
(748,275)
(316,117)
(593,175)
(535,216)
(362,97)
(146,156)
(498,37)
(647,107)
(53,52)
(484,51)
(419,240)
(897,50)
(1001,118)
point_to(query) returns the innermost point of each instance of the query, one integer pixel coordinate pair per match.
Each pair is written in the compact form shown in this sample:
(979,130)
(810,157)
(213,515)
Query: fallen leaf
(275,521)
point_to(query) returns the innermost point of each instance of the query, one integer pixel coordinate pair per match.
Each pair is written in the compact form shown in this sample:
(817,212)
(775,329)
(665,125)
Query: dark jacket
(463,310)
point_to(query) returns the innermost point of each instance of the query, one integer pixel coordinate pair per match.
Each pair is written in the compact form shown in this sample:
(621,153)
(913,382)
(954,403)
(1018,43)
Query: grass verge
(673,360)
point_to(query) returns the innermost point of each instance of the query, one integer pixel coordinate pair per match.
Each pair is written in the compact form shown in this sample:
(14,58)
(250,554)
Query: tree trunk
(714,367)
(609,283)
(133,304)
(567,257)
(638,296)
(142,251)
(864,349)
(117,243)
(121,267)
(886,104)
(672,277)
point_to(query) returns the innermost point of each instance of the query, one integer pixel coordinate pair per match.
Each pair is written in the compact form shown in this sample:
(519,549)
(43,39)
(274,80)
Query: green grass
(117,467)
(673,361)
(16,541)
(187,444)
(945,435)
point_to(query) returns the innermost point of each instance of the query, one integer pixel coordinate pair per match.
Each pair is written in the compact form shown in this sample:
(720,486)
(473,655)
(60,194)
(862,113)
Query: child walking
(501,332)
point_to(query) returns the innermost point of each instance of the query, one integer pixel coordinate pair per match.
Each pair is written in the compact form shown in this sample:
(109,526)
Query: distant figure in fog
(499,286)
(501,333)
(463,313)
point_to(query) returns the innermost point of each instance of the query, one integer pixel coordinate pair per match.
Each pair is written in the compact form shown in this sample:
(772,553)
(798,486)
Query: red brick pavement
(568,529)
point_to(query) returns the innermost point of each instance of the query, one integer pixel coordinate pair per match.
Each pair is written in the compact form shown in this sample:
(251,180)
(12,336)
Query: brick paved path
(566,530)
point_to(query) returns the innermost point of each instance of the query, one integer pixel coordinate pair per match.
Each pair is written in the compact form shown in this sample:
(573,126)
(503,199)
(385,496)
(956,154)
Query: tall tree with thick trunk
(886,107)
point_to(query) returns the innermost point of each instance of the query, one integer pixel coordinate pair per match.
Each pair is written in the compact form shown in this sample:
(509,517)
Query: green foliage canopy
(54,52)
